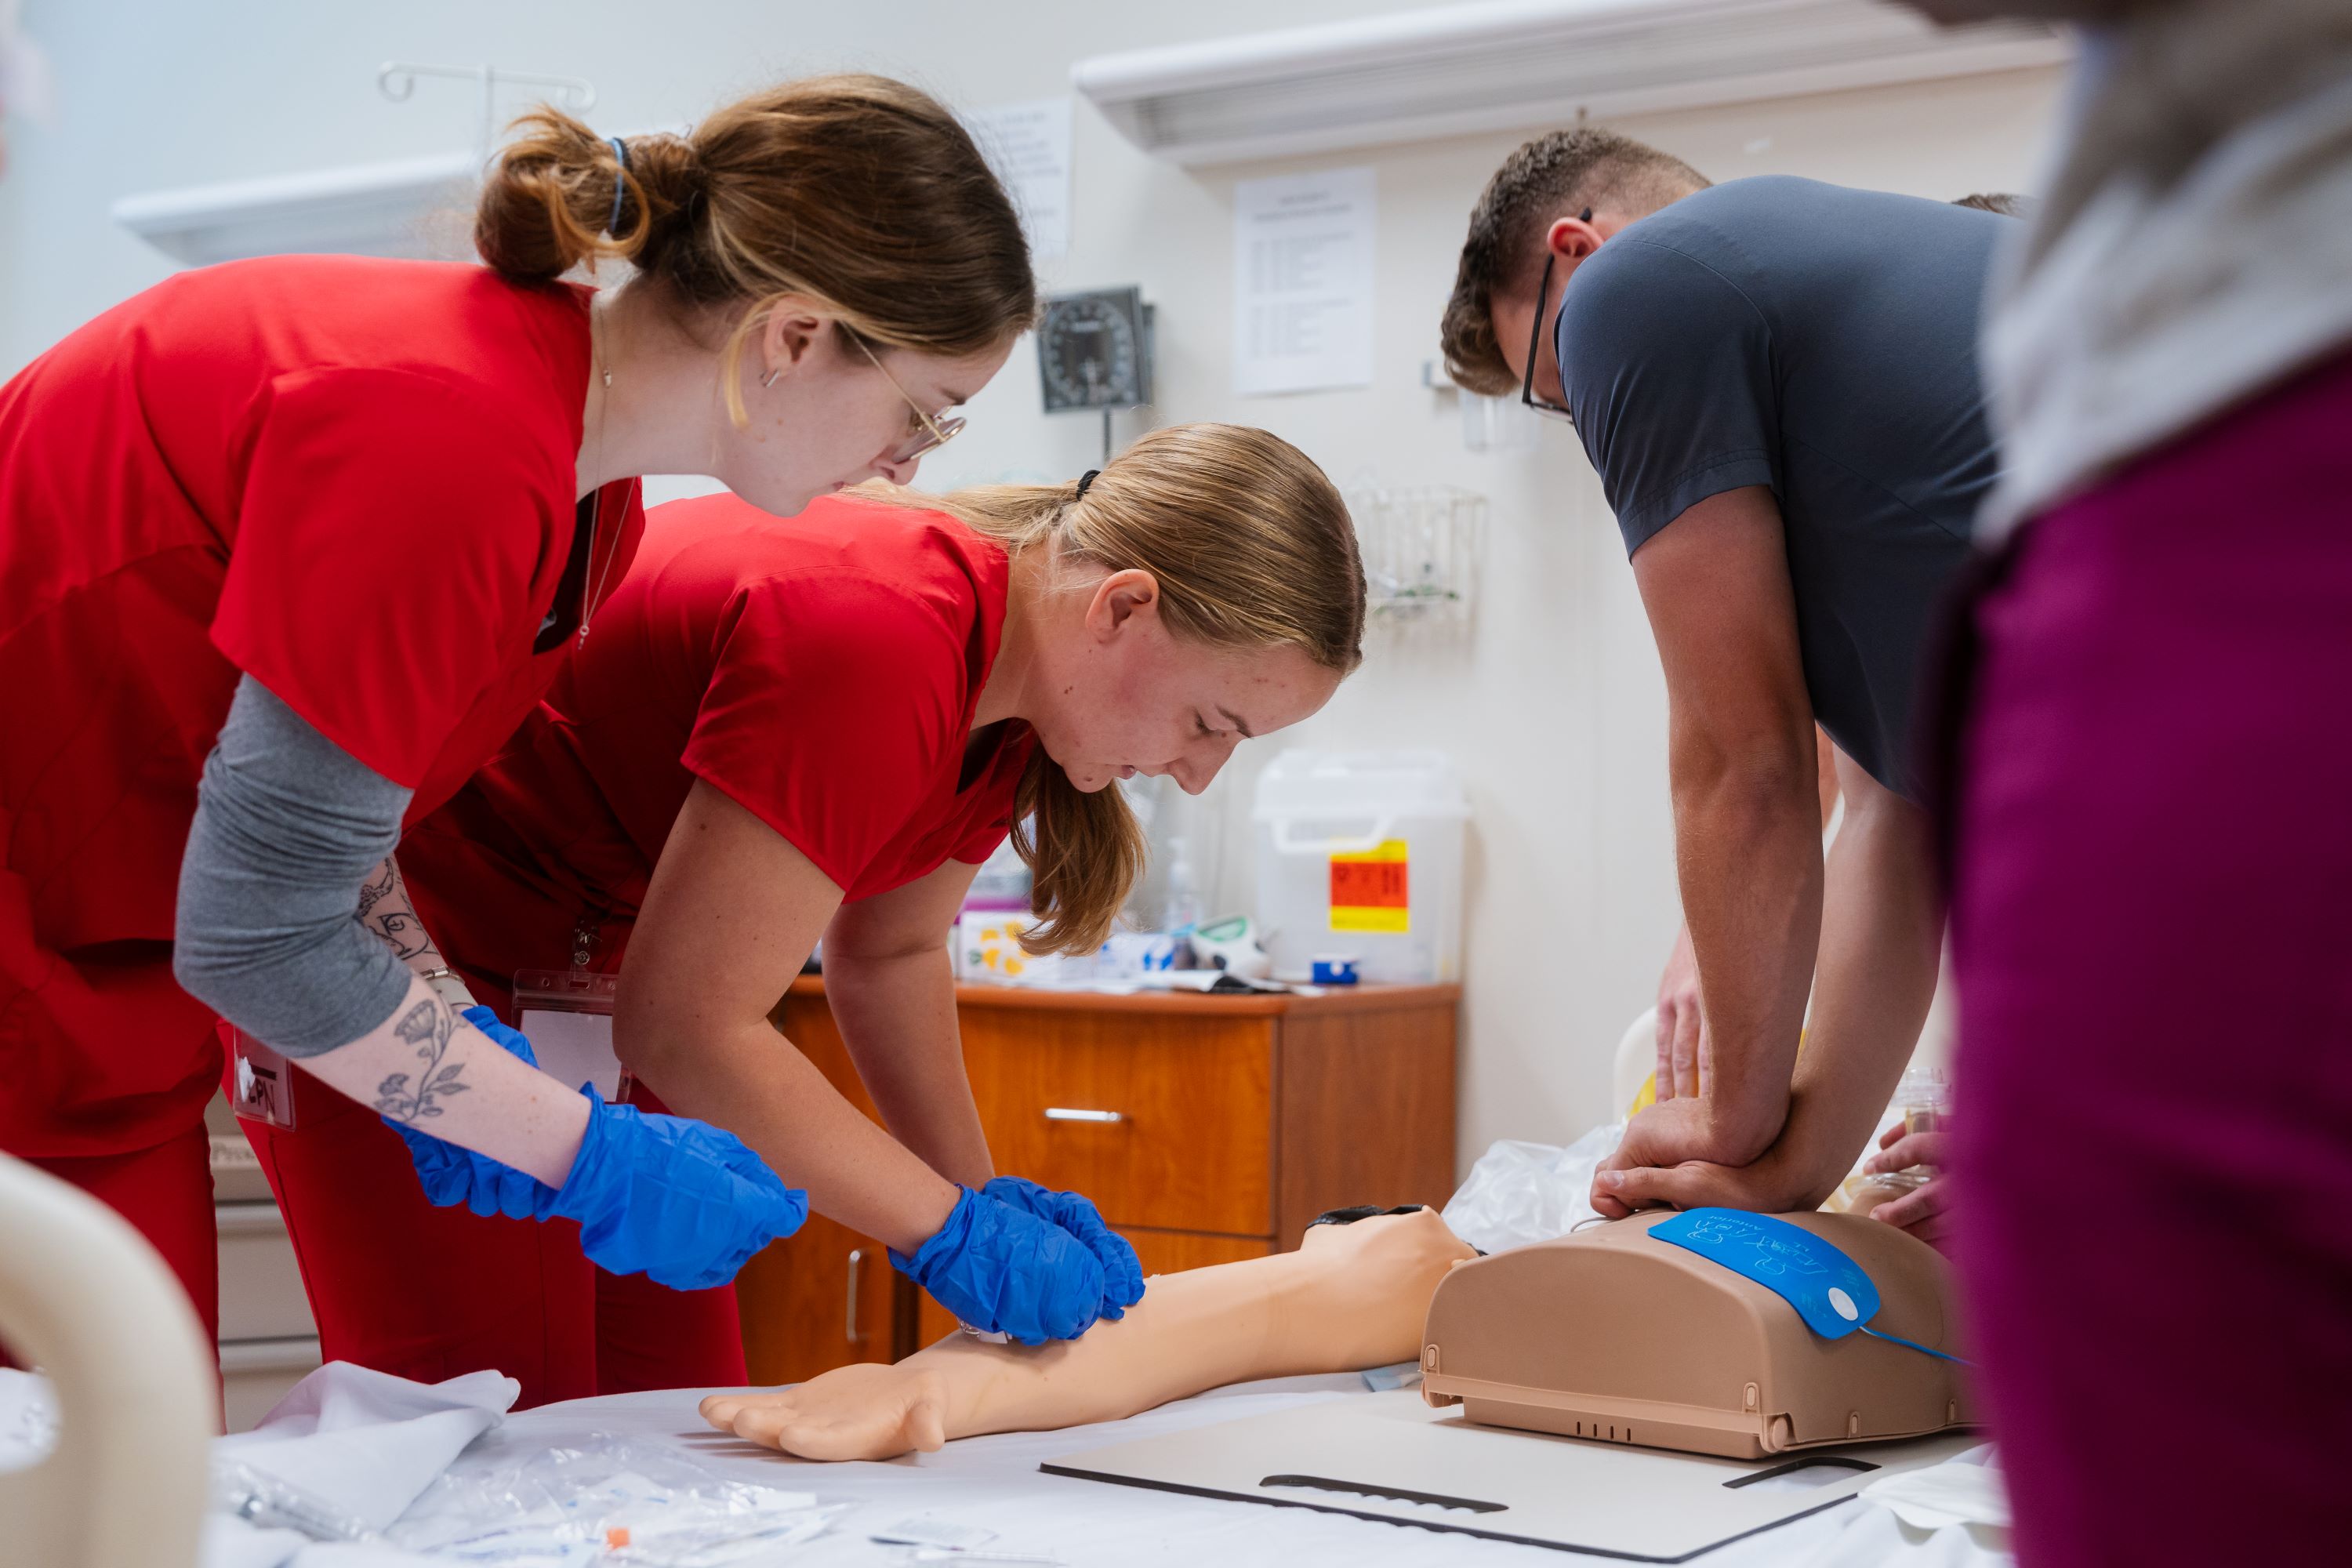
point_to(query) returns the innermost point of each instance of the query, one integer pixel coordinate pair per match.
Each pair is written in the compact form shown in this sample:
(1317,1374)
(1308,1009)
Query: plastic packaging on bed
(1521,1193)
(609,1501)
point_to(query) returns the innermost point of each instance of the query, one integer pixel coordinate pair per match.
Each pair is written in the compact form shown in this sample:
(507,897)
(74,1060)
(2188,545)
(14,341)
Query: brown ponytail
(1252,547)
(858,193)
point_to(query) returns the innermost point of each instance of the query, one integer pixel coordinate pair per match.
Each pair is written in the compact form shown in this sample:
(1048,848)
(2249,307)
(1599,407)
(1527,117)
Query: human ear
(1572,239)
(790,335)
(1122,598)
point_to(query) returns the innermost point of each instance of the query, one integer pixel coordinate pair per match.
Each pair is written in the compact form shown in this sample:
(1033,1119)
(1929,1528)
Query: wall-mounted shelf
(368,210)
(1509,64)
(364,209)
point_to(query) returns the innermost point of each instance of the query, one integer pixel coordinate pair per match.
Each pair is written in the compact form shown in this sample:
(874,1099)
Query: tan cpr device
(1608,1334)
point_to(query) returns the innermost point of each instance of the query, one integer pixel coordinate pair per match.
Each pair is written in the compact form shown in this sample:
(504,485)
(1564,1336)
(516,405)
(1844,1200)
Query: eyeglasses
(937,430)
(1544,405)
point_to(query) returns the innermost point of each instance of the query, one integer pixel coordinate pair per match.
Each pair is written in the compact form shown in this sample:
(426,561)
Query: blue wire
(1923,1350)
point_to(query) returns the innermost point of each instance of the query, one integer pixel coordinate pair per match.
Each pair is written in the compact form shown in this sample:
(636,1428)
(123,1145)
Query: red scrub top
(820,671)
(353,479)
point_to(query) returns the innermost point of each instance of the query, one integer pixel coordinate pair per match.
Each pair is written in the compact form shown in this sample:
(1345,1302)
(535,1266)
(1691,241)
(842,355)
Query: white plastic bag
(1520,1192)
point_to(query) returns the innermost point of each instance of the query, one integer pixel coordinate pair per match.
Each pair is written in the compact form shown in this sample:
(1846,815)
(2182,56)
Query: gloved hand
(452,1175)
(682,1202)
(1122,1273)
(1004,1270)
(679,1200)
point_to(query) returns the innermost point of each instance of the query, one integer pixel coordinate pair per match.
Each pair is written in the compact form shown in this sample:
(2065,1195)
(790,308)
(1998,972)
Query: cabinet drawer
(261,1294)
(822,1298)
(1164,1121)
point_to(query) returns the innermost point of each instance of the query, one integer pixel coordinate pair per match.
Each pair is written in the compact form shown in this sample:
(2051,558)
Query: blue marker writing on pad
(1829,1289)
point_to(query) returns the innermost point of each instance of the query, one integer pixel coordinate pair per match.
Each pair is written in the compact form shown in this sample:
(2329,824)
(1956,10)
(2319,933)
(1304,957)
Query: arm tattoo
(386,910)
(427,1026)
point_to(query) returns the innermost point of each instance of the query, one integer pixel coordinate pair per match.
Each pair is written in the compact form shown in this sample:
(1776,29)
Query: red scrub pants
(105,1067)
(430,1293)
(2152,933)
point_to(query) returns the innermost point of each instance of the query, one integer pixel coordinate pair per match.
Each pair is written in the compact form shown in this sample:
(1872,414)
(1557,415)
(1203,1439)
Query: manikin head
(836,248)
(1205,589)
(1557,198)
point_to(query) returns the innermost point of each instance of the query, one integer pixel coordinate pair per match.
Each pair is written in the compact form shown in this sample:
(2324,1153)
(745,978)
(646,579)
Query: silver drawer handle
(849,1320)
(1065,1113)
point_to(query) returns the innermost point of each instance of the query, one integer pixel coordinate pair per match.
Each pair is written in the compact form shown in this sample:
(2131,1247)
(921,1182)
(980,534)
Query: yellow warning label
(1370,891)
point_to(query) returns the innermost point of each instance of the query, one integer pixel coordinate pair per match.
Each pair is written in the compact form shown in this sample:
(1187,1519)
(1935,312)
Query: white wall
(1553,705)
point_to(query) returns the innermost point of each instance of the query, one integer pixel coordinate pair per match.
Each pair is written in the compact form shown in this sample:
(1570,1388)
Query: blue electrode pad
(1828,1288)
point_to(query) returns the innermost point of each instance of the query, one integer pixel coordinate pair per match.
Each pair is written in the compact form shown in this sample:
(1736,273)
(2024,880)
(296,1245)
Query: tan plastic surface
(1608,1334)
(85,1298)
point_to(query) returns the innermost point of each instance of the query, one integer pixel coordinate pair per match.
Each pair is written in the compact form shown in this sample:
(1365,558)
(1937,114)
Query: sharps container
(1360,853)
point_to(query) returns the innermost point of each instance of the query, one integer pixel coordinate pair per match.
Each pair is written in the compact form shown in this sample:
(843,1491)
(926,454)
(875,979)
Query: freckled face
(1146,701)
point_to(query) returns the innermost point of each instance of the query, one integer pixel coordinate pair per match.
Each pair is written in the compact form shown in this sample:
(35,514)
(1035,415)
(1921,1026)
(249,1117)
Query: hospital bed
(995,1483)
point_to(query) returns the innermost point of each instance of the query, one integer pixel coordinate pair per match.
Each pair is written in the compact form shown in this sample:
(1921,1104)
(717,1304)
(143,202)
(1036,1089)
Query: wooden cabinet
(1207,1129)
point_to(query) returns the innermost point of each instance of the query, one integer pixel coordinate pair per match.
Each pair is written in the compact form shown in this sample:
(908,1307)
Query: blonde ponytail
(1252,547)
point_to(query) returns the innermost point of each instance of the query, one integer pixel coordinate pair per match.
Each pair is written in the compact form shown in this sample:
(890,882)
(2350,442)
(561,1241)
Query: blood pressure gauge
(1094,351)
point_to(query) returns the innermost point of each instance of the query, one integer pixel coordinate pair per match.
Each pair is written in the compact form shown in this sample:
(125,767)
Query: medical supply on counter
(1367,846)
(1183,906)
(988,948)
(1001,883)
(1128,953)
(1231,944)
(1333,970)
(1675,1350)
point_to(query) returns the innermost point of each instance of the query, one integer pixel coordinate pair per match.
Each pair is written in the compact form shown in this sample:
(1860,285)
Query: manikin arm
(1352,1297)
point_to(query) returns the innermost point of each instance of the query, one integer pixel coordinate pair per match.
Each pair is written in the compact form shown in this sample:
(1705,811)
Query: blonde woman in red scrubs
(288,547)
(779,732)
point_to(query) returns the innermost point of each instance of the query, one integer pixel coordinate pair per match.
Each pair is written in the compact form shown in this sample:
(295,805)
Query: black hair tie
(1084,480)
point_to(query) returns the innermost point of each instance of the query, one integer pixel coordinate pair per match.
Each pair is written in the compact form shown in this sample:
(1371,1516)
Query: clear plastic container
(1359,853)
(1925,1099)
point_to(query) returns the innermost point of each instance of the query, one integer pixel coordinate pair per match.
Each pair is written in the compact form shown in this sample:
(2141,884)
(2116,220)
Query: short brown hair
(1559,172)
(860,193)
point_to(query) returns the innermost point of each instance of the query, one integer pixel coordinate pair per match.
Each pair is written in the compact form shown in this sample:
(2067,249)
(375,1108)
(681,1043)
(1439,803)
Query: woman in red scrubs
(287,547)
(779,732)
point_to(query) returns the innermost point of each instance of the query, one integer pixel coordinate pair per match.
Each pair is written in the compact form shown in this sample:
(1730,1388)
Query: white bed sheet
(995,1483)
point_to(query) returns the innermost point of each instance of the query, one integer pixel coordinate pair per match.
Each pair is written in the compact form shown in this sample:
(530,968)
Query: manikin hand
(1682,1025)
(863,1411)
(1926,1211)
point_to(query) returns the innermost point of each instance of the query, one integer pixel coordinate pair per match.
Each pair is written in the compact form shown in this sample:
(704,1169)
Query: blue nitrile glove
(1004,1270)
(681,1201)
(1122,1273)
(452,1175)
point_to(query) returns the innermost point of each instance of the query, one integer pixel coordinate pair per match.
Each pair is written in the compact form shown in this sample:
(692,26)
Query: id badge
(263,1081)
(568,1015)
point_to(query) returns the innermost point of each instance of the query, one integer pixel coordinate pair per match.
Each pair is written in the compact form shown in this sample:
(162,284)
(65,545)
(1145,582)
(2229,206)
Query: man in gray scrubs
(1776,380)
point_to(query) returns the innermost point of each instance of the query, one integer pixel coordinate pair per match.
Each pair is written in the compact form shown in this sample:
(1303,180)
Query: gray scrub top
(1820,341)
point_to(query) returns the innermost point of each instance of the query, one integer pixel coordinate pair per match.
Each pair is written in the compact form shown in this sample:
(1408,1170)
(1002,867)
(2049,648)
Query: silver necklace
(595,596)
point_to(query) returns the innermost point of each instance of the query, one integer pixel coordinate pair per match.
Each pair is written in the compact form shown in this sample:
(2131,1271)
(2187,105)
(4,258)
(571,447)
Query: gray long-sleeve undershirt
(287,827)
